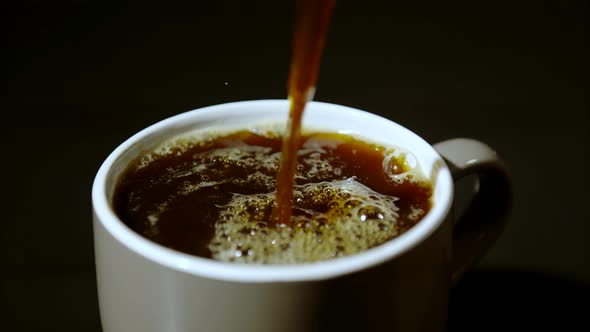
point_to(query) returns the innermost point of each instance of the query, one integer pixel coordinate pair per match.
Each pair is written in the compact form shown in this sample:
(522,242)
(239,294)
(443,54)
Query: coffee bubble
(401,166)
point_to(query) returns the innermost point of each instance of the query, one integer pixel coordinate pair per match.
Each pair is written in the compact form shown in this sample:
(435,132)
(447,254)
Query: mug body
(400,285)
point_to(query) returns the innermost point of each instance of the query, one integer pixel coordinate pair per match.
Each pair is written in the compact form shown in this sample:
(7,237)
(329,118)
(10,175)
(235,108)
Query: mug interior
(260,114)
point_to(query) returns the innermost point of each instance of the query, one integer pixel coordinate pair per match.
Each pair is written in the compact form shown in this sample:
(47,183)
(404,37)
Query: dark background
(79,77)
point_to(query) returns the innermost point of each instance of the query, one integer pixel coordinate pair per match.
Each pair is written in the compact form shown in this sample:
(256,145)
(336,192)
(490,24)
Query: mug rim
(237,272)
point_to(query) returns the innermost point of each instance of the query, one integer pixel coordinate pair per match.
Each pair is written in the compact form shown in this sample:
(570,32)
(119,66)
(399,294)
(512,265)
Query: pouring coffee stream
(312,18)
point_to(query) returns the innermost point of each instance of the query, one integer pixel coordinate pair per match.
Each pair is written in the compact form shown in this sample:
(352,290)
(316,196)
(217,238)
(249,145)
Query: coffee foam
(312,148)
(357,218)
(409,170)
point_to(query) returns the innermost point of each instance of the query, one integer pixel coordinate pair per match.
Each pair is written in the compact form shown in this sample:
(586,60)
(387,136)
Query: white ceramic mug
(401,285)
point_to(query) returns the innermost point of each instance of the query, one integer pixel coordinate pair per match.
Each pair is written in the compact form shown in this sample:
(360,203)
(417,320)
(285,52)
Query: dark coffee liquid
(214,198)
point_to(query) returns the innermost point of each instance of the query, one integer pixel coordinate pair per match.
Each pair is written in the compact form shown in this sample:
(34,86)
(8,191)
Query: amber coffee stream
(253,197)
(311,24)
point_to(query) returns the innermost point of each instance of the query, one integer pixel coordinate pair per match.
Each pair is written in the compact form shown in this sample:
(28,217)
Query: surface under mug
(401,285)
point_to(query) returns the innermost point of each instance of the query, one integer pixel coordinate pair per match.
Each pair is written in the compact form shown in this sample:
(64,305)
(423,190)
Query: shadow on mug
(500,300)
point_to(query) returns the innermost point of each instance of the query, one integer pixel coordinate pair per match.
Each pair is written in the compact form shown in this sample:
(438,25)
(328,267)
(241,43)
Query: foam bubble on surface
(188,187)
(415,213)
(345,217)
(408,171)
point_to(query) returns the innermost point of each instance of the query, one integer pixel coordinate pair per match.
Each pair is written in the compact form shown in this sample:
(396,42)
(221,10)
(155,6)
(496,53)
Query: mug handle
(485,217)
